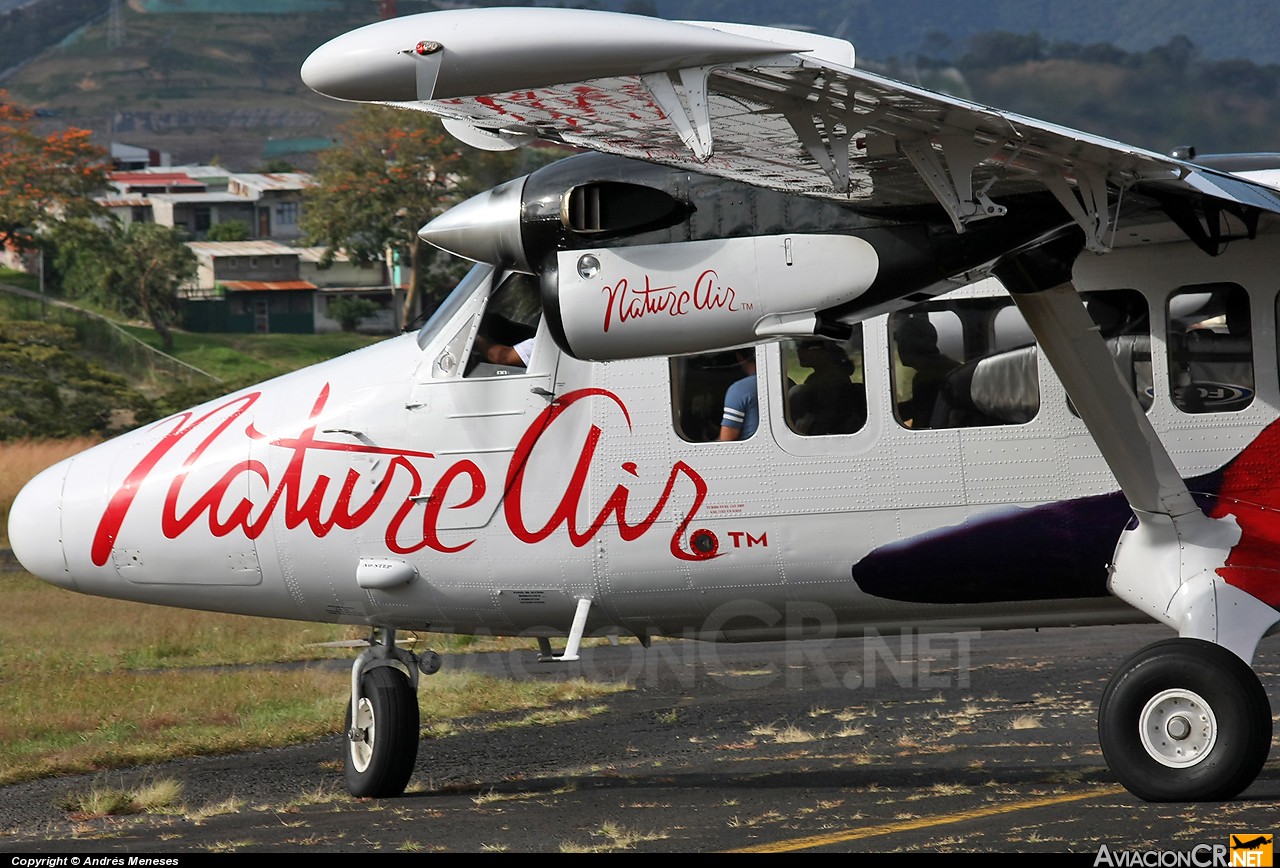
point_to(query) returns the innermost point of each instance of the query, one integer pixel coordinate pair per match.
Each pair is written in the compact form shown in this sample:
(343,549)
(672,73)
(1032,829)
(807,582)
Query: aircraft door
(484,379)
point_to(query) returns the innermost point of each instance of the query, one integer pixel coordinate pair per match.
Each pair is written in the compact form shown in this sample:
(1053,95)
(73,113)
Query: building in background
(266,286)
(131,158)
(198,198)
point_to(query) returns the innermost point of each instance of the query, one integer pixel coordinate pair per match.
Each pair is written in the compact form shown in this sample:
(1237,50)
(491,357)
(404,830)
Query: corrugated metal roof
(213,249)
(264,285)
(219,197)
(275,180)
(152,179)
(123,202)
(192,170)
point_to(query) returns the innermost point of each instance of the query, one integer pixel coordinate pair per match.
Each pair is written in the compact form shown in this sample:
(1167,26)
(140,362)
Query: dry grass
(447,695)
(793,735)
(550,717)
(229,805)
(107,801)
(616,837)
(84,721)
(107,638)
(20,460)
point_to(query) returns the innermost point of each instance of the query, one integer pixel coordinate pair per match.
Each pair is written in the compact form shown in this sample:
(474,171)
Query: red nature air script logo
(626,303)
(461,485)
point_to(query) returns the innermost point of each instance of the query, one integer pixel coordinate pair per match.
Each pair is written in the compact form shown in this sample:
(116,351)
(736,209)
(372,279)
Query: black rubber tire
(382,766)
(1232,692)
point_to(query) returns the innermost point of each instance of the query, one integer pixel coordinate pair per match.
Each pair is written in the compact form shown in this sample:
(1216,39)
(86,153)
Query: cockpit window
(453,303)
(505,342)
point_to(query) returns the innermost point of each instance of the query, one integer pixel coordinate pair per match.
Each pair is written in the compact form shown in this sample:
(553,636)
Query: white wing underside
(803,125)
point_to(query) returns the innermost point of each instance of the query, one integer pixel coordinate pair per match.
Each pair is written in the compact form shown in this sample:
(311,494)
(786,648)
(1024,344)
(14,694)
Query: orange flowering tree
(43,177)
(392,171)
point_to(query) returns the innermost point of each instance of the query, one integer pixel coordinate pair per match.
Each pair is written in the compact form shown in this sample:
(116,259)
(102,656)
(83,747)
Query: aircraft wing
(773,108)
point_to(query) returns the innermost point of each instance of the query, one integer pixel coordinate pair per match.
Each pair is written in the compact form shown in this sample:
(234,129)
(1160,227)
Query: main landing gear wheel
(381,744)
(1185,720)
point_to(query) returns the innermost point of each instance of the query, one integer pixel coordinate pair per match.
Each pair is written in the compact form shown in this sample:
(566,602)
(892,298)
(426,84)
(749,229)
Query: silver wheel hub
(1178,728)
(360,738)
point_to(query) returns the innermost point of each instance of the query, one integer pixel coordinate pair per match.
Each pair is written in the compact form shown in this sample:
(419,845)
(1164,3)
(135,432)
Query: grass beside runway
(92,684)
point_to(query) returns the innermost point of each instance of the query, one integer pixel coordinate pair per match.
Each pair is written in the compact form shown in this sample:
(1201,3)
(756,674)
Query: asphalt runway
(971,742)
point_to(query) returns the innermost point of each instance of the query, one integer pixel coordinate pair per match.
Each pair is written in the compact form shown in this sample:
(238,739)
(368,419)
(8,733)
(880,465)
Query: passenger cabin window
(1210,348)
(1123,319)
(823,387)
(963,363)
(714,396)
(504,343)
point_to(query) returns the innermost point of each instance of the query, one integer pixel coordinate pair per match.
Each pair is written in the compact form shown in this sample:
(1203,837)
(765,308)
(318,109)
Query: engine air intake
(602,208)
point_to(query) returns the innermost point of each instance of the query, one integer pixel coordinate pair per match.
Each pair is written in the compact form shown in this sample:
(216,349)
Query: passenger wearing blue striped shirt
(741,403)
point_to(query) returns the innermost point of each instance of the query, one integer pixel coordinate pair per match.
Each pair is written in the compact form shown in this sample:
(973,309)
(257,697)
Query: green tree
(350,310)
(391,173)
(134,271)
(228,230)
(43,177)
(154,262)
(82,253)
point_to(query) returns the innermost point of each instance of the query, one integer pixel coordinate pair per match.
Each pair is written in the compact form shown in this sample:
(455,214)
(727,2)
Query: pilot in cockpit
(505,340)
(501,354)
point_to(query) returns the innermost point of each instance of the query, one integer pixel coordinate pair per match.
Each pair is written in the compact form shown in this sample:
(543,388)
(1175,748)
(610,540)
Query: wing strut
(692,122)
(1087,203)
(1040,283)
(953,184)
(1166,561)
(829,146)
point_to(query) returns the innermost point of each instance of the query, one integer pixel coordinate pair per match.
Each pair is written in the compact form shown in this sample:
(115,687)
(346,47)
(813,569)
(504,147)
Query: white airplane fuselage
(386,488)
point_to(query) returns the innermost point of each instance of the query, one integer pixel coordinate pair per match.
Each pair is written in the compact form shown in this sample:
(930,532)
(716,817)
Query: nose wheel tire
(381,743)
(1185,720)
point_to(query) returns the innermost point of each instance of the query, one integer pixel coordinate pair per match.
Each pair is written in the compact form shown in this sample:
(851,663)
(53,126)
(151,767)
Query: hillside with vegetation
(70,372)
(1157,99)
(224,87)
(1223,30)
(204,87)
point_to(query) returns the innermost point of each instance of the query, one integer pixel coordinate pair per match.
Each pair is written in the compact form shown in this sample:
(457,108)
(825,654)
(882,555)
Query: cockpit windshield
(450,306)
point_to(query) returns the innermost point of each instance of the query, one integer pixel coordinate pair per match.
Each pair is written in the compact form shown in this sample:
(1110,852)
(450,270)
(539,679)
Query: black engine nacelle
(636,259)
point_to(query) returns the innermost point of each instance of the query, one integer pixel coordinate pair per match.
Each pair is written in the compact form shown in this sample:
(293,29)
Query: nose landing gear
(381,729)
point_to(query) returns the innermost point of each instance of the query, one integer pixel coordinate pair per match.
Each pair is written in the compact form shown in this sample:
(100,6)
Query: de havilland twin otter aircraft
(793,344)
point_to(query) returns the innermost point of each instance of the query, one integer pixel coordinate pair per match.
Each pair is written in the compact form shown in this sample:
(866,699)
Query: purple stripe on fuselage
(1055,551)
